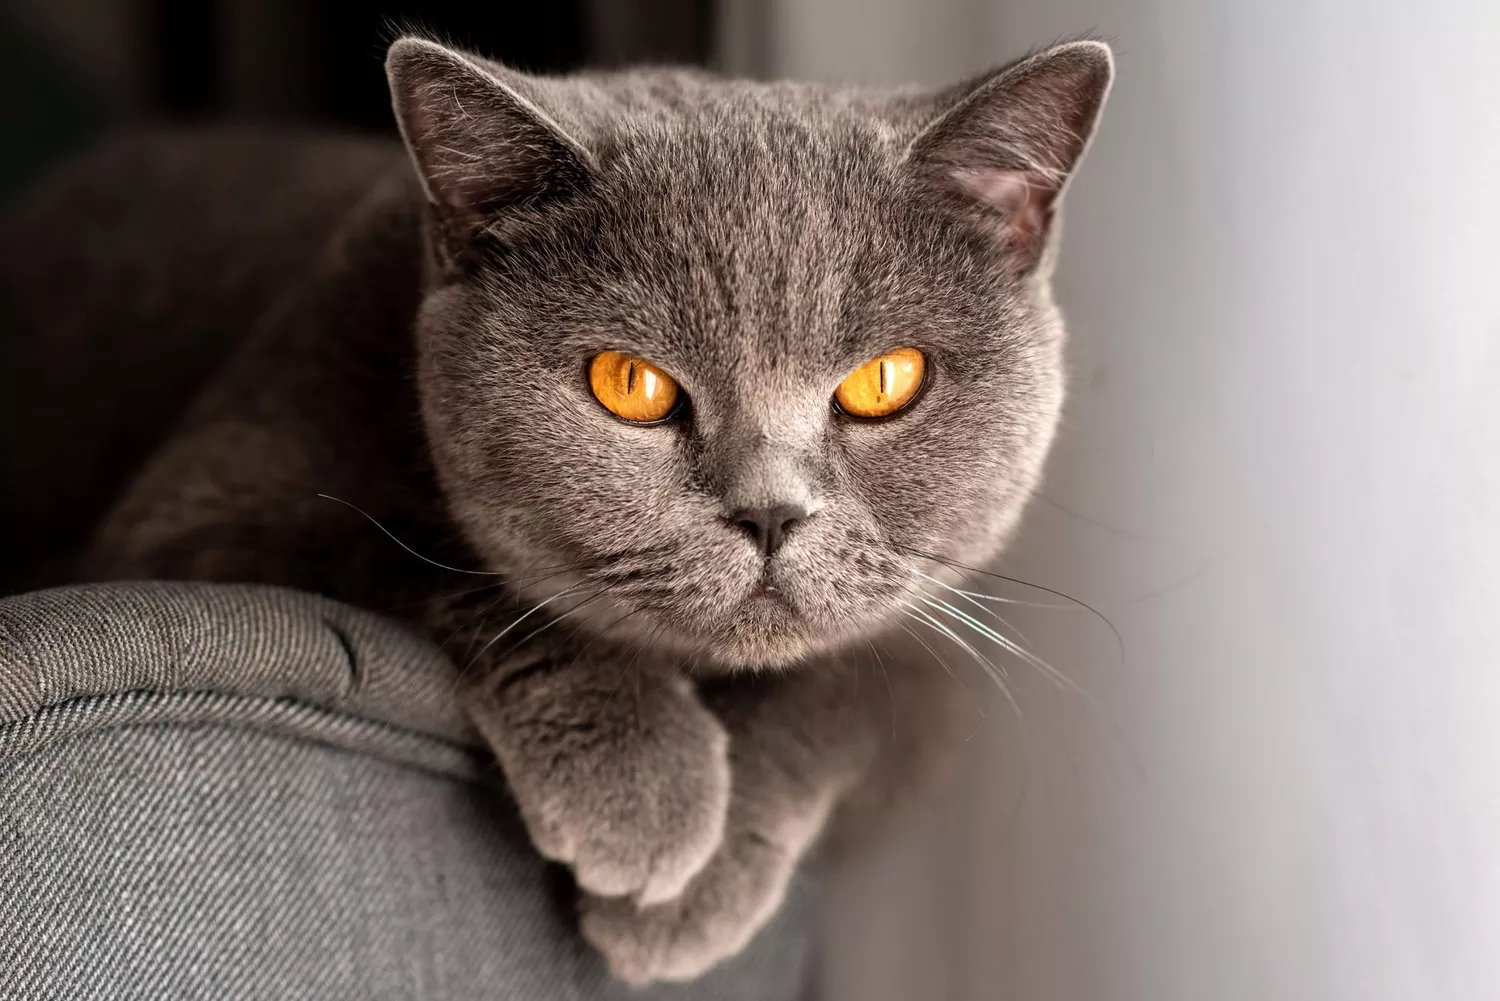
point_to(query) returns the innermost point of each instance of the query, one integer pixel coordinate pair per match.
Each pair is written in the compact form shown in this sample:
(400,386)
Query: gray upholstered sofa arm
(213,791)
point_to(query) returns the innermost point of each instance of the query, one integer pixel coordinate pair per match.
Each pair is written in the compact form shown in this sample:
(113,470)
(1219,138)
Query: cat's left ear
(1009,143)
(480,144)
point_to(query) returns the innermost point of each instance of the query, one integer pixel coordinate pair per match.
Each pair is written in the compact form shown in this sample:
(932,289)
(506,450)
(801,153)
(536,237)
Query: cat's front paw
(682,938)
(628,788)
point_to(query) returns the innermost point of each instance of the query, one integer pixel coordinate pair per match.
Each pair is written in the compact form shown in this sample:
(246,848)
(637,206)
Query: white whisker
(523,617)
(1005,643)
(556,620)
(943,662)
(997,674)
(981,596)
(970,597)
(409,549)
(889,691)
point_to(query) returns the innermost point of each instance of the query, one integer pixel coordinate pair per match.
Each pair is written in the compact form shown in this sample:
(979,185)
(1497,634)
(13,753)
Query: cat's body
(126,281)
(677,707)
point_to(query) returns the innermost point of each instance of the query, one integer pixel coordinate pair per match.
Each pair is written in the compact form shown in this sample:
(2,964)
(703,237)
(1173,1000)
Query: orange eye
(632,387)
(883,385)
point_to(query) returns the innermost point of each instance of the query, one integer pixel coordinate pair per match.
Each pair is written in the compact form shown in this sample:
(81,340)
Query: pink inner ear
(1024,198)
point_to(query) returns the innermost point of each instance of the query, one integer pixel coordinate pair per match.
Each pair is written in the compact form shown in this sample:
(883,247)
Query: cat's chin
(764,650)
(763,631)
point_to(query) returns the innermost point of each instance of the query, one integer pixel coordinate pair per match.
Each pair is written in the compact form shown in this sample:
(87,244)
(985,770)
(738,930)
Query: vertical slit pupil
(630,378)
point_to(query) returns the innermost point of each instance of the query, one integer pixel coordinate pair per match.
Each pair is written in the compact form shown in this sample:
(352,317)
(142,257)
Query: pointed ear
(1010,142)
(479,146)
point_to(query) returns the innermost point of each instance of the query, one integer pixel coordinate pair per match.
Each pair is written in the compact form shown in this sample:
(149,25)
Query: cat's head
(721,261)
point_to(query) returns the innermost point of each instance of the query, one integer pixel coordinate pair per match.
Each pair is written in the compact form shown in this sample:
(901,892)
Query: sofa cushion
(227,792)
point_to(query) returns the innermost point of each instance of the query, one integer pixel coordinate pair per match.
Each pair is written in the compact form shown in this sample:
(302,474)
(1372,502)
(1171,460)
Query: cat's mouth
(766,589)
(767,600)
(732,610)
(766,626)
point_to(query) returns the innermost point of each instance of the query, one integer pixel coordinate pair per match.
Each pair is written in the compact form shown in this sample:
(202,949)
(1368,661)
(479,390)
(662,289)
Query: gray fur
(675,730)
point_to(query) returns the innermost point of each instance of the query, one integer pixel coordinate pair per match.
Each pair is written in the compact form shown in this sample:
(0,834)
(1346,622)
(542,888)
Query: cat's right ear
(479,145)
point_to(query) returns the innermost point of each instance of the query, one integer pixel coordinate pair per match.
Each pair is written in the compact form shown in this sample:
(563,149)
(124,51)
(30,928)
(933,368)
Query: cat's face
(756,246)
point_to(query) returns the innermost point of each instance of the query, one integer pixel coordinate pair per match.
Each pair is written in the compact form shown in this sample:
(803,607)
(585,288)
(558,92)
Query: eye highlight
(632,387)
(882,386)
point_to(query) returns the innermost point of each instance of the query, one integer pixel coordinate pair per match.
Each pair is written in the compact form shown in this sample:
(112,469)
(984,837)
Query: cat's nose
(768,525)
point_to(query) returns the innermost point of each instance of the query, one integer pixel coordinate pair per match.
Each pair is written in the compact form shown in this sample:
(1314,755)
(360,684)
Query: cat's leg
(619,771)
(798,743)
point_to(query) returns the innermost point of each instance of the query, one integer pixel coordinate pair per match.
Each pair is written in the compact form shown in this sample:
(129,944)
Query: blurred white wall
(1280,274)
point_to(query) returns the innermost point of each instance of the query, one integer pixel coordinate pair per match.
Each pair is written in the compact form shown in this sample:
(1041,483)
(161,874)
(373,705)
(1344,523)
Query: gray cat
(697,384)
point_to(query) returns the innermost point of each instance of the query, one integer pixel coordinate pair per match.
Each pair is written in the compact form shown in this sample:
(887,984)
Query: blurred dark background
(86,410)
(70,68)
